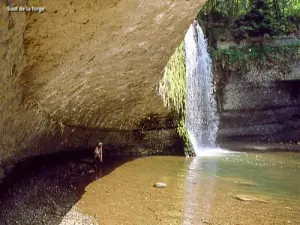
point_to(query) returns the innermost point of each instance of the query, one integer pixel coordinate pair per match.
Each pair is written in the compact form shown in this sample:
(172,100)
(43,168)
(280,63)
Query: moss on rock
(173,91)
(242,60)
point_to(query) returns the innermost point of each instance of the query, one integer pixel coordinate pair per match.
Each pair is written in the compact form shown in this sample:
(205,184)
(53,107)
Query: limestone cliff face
(261,105)
(18,121)
(84,71)
(94,64)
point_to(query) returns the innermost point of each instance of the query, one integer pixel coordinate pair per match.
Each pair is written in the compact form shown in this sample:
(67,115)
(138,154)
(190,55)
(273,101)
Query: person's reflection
(199,189)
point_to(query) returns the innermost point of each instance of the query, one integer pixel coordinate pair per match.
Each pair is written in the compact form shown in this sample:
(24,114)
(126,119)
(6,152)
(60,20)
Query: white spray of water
(202,118)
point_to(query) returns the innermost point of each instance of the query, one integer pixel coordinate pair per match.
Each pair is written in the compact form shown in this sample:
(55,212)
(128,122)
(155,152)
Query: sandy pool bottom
(127,196)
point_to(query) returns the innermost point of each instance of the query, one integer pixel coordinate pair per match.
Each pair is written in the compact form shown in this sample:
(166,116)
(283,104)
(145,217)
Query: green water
(272,173)
(213,184)
(275,174)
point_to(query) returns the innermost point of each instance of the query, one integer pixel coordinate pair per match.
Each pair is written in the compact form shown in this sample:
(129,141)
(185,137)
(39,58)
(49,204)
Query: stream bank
(44,189)
(199,190)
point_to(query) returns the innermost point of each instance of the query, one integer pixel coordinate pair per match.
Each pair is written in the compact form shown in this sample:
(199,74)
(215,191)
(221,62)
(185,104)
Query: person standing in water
(98,154)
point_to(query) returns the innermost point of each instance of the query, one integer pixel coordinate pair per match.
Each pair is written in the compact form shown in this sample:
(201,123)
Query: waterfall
(201,109)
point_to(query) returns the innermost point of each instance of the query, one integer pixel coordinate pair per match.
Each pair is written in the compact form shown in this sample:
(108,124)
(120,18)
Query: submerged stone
(249,198)
(160,185)
(245,182)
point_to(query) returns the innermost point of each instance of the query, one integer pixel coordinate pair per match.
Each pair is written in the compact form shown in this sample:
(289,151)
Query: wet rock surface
(261,105)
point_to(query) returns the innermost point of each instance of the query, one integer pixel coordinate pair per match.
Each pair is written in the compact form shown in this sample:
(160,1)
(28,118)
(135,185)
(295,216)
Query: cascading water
(202,118)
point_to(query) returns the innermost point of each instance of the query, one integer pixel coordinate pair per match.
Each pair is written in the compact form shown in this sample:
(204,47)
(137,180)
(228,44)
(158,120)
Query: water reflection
(199,186)
(214,180)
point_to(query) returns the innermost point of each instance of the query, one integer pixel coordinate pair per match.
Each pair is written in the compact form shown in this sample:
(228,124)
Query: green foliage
(172,87)
(250,18)
(173,90)
(241,59)
(235,8)
(288,7)
(257,22)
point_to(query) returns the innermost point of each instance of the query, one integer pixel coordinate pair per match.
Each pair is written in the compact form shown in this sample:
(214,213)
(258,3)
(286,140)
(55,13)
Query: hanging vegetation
(172,88)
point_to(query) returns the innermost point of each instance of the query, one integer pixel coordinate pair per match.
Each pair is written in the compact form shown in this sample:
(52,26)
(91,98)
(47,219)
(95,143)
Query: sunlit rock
(160,185)
(249,198)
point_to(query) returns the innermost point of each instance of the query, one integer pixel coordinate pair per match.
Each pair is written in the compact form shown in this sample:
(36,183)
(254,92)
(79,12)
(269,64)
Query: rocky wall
(87,71)
(261,104)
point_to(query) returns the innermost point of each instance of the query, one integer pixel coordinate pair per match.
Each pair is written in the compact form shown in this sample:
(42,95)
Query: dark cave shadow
(43,189)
